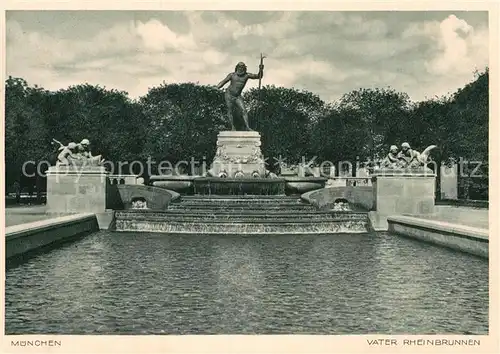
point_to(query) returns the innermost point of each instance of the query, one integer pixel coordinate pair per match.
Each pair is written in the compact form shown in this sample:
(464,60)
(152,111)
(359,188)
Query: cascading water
(239,196)
(242,215)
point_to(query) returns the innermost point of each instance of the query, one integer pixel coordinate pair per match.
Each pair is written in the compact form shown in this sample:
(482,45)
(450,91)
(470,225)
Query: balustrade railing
(349,182)
(123,179)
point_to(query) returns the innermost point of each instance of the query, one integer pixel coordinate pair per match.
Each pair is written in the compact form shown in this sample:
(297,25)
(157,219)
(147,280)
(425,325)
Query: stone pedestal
(449,182)
(403,192)
(76,189)
(238,154)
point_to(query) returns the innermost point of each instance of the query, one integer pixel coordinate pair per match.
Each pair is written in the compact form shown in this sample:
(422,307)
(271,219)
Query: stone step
(240,207)
(254,212)
(260,200)
(242,228)
(245,205)
(195,208)
(283,203)
(250,218)
(239,197)
(262,221)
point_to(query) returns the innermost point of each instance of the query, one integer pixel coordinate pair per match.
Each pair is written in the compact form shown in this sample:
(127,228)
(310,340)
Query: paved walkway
(469,216)
(24,214)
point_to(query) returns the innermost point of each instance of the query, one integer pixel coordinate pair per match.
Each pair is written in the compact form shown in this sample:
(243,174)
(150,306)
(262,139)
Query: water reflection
(420,282)
(158,284)
(238,292)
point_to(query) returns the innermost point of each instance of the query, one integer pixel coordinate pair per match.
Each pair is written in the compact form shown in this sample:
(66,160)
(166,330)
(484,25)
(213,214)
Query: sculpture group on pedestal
(406,158)
(75,154)
(238,154)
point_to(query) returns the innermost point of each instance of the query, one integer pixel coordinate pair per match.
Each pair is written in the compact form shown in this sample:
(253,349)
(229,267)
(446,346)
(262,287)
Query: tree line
(181,121)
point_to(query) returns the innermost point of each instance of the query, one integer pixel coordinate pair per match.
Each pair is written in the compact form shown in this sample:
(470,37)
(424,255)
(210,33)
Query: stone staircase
(239,215)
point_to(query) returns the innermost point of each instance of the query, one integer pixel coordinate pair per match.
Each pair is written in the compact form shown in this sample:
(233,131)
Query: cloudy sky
(329,53)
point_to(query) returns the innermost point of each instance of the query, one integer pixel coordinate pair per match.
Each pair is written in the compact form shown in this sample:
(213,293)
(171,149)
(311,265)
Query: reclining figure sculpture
(77,154)
(407,158)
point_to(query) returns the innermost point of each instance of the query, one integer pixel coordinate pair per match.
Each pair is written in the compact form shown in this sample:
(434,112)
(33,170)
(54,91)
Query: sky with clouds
(328,53)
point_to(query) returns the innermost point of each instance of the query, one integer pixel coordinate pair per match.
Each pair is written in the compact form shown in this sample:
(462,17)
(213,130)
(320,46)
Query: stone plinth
(238,154)
(404,192)
(449,182)
(76,189)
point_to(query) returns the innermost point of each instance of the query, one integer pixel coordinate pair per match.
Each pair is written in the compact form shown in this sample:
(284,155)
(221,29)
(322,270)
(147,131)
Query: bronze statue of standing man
(238,80)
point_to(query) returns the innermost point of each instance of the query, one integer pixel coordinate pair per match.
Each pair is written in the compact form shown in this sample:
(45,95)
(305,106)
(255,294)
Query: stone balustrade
(349,181)
(123,179)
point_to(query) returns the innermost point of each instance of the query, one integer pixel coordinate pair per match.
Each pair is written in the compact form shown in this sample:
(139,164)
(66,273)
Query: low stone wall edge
(442,226)
(21,230)
(29,237)
(458,237)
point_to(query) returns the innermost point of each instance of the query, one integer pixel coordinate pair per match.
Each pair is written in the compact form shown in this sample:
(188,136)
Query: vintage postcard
(228,178)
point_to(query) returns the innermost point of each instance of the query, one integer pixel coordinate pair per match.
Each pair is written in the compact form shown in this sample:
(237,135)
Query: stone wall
(325,198)
(459,237)
(362,196)
(404,194)
(25,238)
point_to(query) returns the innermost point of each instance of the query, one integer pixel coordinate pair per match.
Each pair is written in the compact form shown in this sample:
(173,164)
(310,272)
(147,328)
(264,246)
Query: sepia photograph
(241,172)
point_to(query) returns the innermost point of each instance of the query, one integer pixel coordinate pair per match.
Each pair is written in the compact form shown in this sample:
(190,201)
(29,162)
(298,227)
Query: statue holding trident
(238,80)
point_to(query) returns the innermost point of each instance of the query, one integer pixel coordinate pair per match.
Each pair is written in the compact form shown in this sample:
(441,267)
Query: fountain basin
(179,184)
(238,186)
(300,185)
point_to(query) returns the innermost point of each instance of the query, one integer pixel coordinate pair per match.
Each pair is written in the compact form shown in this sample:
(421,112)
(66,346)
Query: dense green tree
(284,117)
(338,136)
(25,131)
(469,115)
(113,123)
(181,121)
(381,114)
(469,110)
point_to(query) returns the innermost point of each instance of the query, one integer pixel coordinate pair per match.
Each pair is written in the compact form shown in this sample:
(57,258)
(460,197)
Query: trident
(260,82)
(260,78)
(261,63)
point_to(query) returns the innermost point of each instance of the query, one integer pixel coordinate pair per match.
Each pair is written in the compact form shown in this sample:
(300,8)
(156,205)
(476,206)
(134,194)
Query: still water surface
(111,283)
